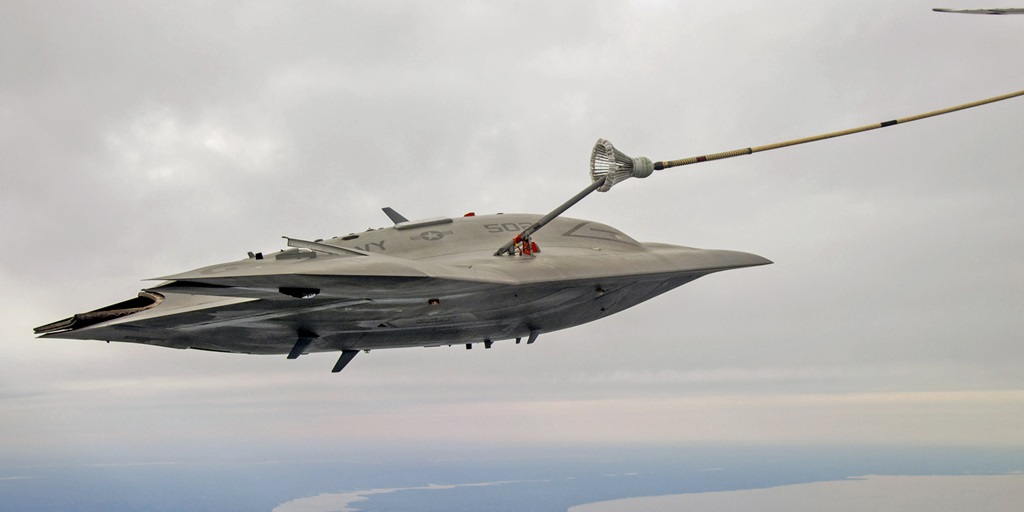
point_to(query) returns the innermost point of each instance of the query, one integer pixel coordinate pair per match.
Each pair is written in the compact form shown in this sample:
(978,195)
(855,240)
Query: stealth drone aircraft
(424,283)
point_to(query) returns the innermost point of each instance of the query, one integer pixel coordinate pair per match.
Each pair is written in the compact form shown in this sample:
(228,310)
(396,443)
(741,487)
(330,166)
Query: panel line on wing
(270,315)
(326,248)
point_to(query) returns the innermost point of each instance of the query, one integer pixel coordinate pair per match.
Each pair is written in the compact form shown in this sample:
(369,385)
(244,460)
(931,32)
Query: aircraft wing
(1005,10)
(309,305)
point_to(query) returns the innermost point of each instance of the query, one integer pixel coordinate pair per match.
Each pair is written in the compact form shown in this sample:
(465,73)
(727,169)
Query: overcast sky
(141,139)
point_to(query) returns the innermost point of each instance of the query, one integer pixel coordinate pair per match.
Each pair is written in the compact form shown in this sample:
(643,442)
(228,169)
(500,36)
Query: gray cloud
(141,140)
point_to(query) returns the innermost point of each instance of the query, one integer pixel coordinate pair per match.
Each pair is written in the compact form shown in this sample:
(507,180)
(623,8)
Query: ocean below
(536,479)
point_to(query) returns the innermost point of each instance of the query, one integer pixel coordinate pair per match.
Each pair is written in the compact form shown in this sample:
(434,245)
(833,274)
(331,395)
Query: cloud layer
(141,140)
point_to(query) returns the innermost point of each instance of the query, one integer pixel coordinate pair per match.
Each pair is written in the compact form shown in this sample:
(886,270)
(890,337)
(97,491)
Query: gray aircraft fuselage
(419,283)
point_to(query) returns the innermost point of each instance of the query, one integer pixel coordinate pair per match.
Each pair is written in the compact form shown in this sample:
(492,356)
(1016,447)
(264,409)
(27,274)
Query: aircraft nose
(711,260)
(689,259)
(737,259)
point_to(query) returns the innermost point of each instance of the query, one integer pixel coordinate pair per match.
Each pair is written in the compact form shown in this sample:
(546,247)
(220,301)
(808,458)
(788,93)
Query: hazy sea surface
(523,479)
